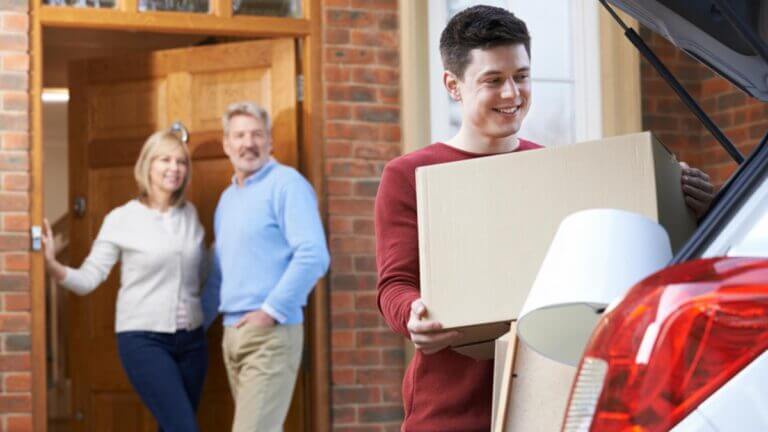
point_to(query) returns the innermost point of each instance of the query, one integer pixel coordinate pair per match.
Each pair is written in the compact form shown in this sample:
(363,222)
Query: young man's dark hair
(479,27)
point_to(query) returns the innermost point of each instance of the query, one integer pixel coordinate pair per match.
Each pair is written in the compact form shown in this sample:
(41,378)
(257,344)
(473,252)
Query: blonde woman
(159,241)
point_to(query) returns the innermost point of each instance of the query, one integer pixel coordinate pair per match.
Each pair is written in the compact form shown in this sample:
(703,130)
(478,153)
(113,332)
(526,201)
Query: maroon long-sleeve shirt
(445,391)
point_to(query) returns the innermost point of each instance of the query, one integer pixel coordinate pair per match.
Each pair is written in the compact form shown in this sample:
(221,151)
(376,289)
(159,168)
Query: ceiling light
(55,95)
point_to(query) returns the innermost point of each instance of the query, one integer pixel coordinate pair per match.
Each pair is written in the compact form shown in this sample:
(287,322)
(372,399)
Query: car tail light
(674,339)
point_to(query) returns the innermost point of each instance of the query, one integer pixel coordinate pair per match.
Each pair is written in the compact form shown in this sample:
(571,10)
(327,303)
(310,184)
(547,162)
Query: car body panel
(739,405)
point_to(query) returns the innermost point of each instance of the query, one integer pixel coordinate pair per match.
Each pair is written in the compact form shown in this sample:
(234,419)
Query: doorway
(119,87)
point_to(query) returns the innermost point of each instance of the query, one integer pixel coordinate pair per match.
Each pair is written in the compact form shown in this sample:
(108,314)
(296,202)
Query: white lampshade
(594,258)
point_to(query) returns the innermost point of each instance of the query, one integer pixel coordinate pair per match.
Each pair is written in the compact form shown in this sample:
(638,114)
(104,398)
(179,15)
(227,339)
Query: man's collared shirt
(270,247)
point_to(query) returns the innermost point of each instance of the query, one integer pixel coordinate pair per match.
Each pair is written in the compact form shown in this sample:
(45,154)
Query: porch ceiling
(60,46)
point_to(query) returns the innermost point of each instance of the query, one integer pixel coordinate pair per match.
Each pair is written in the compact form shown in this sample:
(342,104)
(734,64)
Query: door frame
(219,22)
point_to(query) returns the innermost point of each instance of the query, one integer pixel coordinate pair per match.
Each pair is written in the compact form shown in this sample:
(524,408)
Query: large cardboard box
(485,224)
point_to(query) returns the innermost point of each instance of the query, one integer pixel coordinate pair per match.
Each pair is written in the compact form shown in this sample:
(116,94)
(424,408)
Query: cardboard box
(485,224)
(535,396)
(483,350)
(530,391)
(500,352)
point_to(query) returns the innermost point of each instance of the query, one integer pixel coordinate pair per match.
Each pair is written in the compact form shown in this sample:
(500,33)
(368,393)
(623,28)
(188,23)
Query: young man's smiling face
(495,91)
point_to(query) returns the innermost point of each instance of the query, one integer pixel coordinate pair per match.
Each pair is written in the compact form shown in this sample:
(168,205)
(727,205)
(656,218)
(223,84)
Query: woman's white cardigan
(161,258)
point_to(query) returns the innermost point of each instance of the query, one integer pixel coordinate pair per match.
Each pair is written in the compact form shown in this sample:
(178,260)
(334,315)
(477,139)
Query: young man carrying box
(486,55)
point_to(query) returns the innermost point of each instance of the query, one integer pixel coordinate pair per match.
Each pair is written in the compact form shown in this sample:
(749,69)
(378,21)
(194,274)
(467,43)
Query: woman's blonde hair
(155,144)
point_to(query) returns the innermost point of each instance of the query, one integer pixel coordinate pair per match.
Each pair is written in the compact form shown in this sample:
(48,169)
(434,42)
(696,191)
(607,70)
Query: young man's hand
(428,336)
(258,318)
(697,189)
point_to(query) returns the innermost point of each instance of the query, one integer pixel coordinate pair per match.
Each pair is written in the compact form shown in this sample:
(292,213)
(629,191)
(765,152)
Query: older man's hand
(258,318)
(697,188)
(428,336)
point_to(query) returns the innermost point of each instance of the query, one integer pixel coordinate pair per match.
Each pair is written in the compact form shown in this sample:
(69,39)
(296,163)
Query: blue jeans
(167,370)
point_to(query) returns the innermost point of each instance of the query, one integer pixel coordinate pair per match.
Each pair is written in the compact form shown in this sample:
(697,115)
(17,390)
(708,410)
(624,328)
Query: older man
(269,252)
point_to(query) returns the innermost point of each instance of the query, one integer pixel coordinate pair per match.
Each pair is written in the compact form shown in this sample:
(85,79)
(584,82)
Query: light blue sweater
(269,250)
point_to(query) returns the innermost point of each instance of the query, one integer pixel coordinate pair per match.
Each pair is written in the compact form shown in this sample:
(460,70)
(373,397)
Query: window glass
(105,4)
(174,5)
(552,113)
(550,49)
(281,8)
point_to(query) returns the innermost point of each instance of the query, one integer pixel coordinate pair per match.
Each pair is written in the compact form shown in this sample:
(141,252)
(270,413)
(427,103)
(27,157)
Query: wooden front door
(115,104)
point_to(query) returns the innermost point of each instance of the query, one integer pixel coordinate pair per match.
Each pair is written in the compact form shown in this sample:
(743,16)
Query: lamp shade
(594,258)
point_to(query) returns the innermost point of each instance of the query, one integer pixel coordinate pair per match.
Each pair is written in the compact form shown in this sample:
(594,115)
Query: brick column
(362,132)
(15,370)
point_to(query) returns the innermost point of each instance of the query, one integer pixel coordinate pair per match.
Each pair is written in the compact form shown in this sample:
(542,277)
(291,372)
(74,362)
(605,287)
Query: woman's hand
(55,268)
(49,250)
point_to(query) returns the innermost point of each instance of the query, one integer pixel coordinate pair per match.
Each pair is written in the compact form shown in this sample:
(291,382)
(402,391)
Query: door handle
(79,206)
(179,128)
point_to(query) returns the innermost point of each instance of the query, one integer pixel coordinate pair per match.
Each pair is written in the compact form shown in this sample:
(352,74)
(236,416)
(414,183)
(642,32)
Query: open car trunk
(731,38)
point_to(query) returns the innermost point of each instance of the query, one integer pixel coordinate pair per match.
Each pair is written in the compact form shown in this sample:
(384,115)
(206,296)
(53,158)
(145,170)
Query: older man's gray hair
(245,108)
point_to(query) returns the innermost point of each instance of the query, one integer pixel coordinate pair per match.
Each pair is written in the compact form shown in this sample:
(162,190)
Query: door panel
(108,188)
(212,92)
(207,174)
(115,104)
(131,109)
(120,412)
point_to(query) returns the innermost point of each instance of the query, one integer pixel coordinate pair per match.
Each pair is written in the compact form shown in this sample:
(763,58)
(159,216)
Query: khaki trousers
(262,364)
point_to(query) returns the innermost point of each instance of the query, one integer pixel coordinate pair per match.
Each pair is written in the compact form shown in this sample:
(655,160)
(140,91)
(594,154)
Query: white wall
(55,161)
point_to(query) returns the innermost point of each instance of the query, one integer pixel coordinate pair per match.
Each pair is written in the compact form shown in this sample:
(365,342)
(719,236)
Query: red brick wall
(742,119)
(362,132)
(15,375)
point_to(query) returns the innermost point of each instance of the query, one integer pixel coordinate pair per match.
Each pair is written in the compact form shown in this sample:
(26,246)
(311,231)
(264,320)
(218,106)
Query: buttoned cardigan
(159,267)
